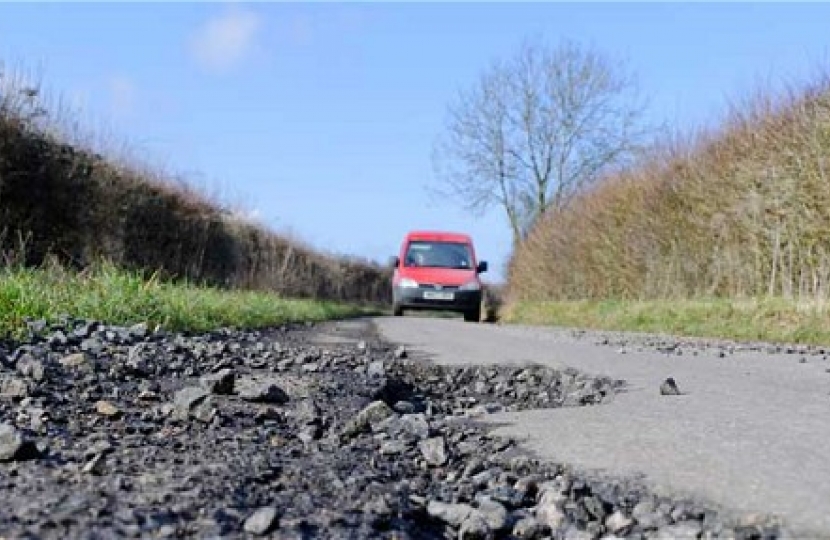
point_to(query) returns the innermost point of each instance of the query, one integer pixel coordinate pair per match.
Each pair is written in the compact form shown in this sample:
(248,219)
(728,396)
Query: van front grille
(436,287)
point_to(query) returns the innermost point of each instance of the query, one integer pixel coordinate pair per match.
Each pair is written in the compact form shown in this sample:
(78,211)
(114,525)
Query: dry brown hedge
(64,200)
(741,212)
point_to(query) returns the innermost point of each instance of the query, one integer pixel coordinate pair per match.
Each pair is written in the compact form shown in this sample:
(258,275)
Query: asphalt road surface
(751,434)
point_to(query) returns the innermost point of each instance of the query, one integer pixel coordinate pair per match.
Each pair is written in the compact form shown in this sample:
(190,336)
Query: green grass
(770,319)
(115,296)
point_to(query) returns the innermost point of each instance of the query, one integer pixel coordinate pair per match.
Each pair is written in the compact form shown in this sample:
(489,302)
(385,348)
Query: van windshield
(439,255)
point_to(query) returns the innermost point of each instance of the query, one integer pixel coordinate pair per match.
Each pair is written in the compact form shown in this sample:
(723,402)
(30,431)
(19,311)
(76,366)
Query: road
(751,434)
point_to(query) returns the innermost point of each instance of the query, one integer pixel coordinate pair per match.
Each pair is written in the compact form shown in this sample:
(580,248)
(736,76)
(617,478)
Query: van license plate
(429,295)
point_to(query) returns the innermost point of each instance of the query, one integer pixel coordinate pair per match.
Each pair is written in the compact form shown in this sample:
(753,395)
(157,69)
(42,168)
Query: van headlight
(470,286)
(408,283)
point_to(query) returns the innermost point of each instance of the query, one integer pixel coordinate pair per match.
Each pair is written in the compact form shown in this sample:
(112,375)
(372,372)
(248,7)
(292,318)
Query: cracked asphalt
(750,433)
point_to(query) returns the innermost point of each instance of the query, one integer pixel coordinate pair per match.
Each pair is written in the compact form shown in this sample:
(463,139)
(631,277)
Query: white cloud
(225,40)
(301,29)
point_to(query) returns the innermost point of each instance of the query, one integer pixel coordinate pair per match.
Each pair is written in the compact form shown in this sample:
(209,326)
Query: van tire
(474,315)
(397,311)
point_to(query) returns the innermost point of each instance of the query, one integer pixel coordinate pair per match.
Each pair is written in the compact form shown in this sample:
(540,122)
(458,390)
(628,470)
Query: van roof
(447,236)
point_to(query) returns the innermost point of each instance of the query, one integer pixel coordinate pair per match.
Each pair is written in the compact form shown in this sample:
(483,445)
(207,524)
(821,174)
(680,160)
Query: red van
(437,270)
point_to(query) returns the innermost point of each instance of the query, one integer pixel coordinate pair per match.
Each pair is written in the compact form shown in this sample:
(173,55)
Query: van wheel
(397,311)
(474,315)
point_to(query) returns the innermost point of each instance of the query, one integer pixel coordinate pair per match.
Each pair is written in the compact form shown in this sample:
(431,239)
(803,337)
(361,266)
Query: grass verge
(106,293)
(773,320)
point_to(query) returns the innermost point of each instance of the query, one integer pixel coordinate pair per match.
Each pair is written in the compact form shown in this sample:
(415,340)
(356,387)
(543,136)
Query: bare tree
(537,129)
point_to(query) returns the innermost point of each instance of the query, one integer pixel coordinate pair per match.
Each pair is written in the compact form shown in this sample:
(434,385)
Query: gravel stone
(13,388)
(618,523)
(261,390)
(186,401)
(475,527)
(208,442)
(550,515)
(454,514)
(31,368)
(680,531)
(261,521)
(106,408)
(371,414)
(14,446)
(434,451)
(527,528)
(221,382)
(76,360)
(495,515)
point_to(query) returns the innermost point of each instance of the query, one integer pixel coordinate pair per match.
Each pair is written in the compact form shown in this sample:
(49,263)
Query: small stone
(166,531)
(92,346)
(508,496)
(475,527)
(204,411)
(310,432)
(494,514)
(377,506)
(14,447)
(527,528)
(751,520)
(618,523)
(186,399)
(687,530)
(262,521)
(31,368)
(138,330)
(376,369)
(100,447)
(13,388)
(371,414)
(549,514)
(96,465)
(434,451)
(669,388)
(58,339)
(474,466)
(483,478)
(644,513)
(277,441)
(264,391)
(406,407)
(415,425)
(400,353)
(528,486)
(36,326)
(454,514)
(76,360)
(221,382)
(391,448)
(572,533)
(105,408)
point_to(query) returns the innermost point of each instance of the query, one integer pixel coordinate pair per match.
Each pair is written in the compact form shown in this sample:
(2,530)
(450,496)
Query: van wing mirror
(482,267)
(394,261)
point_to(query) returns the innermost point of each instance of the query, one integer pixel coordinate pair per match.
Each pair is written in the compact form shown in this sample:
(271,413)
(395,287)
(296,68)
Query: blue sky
(320,117)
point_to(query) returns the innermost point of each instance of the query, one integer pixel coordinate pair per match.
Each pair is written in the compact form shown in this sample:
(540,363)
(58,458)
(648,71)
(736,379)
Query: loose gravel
(112,432)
